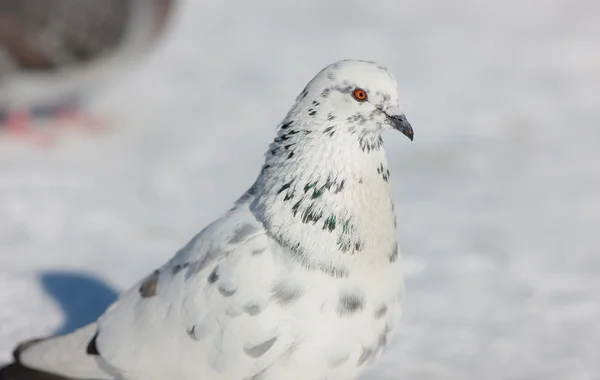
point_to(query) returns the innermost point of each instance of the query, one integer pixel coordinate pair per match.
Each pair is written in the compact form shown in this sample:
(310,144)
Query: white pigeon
(300,280)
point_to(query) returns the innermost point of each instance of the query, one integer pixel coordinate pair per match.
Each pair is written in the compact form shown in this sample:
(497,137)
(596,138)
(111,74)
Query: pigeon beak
(400,123)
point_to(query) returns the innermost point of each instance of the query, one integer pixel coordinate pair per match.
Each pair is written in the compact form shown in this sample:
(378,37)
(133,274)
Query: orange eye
(360,94)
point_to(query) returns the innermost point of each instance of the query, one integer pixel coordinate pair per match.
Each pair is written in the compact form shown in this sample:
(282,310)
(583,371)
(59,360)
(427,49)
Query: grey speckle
(227,291)
(285,293)
(241,233)
(345,89)
(260,349)
(338,359)
(258,251)
(214,275)
(179,267)
(252,309)
(383,337)
(197,332)
(366,354)
(198,265)
(379,313)
(350,304)
(148,288)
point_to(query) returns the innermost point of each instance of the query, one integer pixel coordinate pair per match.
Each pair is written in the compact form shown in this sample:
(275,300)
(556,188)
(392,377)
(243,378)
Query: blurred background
(498,196)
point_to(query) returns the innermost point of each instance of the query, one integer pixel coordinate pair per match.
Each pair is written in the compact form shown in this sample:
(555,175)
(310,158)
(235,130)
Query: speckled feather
(301,279)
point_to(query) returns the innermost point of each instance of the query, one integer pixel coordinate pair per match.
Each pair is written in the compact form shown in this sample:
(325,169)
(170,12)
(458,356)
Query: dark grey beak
(400,123)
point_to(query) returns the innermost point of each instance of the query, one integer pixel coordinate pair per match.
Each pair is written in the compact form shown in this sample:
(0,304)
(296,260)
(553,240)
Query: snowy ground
(498,196)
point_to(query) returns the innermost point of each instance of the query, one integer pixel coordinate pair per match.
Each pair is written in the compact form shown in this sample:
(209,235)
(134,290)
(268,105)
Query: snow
(498,196)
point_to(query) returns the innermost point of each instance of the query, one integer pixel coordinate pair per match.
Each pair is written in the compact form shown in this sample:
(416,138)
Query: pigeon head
(345,107)
(362,95)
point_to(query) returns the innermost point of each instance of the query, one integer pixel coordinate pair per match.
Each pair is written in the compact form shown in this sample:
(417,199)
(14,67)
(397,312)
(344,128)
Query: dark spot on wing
(260,349)
(379,313)
(179,267)
(227,291)
(366,355)
(242,233)
(350,304)
(252,309)
(210,257)
(258,251)
(214,275)
(383,338)
(197,332)
(148,287)
(284,293)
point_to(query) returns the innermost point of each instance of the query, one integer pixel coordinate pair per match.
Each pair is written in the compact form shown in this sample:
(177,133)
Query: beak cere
(400,123)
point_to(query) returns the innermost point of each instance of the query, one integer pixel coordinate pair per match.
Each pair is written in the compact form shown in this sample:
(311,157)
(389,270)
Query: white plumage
(301,279)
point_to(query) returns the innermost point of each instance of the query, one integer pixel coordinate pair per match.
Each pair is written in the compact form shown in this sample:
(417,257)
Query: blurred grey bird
(53,53)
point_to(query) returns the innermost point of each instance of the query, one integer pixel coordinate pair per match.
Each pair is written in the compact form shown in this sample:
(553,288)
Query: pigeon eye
(360,94)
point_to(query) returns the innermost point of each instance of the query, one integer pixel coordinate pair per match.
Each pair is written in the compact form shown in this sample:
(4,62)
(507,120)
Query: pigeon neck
(327,200)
